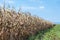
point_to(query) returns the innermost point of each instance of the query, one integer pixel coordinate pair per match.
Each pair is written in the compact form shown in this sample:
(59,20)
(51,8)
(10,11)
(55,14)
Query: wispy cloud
(1,5)
(28,7)
(34,0)
(41,7)
(9,1)
(32,8)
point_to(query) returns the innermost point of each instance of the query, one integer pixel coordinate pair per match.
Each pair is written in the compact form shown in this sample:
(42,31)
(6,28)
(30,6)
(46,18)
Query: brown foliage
(19,26)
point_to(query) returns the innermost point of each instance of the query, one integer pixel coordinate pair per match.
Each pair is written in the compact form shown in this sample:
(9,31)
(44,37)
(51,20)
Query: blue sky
(46,9)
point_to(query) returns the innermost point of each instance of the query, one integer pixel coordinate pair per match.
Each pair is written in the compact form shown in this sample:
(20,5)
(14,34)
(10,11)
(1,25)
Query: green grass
(49,34)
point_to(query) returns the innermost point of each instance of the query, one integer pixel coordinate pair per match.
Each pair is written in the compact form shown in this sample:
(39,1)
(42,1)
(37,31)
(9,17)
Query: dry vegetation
(19,25)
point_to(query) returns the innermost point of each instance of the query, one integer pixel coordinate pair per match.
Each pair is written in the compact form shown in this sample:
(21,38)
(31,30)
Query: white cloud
(41,7)
(1,5)
(32,8)
(9,1)
(34,0)
(28,7)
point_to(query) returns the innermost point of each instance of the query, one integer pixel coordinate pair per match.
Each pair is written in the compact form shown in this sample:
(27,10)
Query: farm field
(49,34)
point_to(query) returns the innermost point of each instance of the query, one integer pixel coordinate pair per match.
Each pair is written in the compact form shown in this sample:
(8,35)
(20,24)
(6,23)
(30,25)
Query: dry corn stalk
(19,26)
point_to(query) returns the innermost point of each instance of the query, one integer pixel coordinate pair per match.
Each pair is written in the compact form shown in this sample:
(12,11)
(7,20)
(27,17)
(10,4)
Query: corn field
(19,25)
